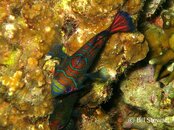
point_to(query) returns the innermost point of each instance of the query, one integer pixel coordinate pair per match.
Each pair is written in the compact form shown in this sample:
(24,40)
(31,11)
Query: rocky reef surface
(134,96)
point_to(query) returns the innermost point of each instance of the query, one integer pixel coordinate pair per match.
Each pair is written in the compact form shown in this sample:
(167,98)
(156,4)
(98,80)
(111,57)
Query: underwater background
(139,91)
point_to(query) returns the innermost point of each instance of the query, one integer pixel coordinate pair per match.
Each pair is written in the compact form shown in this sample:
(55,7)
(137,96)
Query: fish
(70,75)
(62,113)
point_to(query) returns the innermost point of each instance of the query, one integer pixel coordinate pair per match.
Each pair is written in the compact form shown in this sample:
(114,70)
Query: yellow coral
(32,63)
(94,9)
(12,83)
(118,52)
(4,111)
(12,58)
(167,101)
(161,46)
(100,93)
(133,6)
(3,10)
(9,29)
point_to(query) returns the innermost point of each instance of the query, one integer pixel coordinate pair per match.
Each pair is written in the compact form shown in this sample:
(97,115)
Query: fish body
(73,71)
(63,108)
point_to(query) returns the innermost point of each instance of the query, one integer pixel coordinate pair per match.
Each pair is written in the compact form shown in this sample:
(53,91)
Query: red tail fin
(122,23)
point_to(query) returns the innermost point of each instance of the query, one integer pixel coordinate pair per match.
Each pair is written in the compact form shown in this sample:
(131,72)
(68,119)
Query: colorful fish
(72,72)
(70,75)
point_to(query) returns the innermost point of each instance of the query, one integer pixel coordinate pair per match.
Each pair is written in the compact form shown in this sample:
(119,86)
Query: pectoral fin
(101,75)
(57,51)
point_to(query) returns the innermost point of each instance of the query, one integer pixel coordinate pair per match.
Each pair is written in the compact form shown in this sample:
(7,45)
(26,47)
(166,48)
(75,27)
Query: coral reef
(152,6)
(97,120)
(12,83)
(115,59)
(24,84)
(100,93)
(141,90)
(28,29)
(161,44)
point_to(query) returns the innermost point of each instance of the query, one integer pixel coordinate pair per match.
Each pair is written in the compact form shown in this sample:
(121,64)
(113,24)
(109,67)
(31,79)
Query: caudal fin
(122,23)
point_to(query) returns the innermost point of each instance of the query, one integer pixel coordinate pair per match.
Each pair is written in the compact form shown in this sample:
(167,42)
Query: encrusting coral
(161,45)
(152,6)
(140,89)
(12,83)
(28,29)
(97,120)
